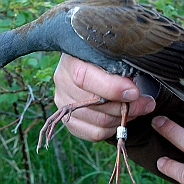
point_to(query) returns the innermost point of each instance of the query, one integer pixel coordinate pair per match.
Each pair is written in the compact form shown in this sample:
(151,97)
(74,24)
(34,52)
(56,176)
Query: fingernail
(150,106)
(161,161)
(130,95)
(159,121)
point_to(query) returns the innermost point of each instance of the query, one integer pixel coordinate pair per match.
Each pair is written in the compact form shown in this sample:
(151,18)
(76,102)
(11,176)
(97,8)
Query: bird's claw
(53,120)
(116,171)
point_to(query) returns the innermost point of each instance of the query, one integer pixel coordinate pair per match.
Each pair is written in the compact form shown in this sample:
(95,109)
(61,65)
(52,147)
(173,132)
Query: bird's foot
(121,136)
(121,149)
(53,120)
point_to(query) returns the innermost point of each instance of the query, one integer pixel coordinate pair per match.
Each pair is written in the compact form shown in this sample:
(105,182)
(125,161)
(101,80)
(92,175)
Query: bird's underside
(120,30)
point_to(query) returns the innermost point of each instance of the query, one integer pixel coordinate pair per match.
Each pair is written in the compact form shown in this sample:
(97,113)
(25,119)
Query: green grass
(68,160)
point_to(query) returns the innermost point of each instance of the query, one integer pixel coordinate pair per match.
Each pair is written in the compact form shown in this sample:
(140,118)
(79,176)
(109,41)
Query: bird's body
(53,32)
(108,33)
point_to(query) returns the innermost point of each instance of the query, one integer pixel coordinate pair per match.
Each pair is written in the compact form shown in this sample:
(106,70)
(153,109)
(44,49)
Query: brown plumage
(142,38)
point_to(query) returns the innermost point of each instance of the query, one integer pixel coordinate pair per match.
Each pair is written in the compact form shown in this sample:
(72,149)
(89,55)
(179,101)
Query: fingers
(170,130)
(106,115)
(143,105)
(64,83)
(87,131)
(171,168)
(175,134)
(77,81)
(93,125)
(103,84)
(103,115)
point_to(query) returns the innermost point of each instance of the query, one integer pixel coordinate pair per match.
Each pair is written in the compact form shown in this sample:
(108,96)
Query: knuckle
(55,77)
(134,109)
(113,88)
(79,76)
(169,130)
(113,91)
(167,166)
(98,134)
(103,120)
(56,100)
(114,108)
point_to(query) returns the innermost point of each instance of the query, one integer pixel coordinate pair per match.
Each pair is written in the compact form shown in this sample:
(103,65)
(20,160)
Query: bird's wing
(143,38)
(167,64)
(176,87)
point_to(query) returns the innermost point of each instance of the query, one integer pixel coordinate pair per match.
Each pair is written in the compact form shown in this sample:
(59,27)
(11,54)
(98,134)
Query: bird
(120,36)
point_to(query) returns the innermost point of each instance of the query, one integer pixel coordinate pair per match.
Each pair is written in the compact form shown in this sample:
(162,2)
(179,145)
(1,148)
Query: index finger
(170,130)
(97,81)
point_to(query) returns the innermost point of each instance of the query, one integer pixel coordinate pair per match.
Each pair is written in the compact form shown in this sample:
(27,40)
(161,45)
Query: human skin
(77,81)
(175,134)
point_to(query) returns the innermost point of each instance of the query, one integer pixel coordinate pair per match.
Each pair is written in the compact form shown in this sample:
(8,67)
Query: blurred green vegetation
(69,159)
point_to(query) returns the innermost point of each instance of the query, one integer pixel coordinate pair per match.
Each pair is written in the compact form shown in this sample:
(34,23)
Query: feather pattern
(113,34)
(144,39)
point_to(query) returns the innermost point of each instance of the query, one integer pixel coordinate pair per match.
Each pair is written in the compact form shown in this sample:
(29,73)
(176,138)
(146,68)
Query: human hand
(77,81)
(175,134)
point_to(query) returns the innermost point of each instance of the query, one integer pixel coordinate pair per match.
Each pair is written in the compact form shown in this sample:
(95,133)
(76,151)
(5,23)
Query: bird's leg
(121,136)
(53,120)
